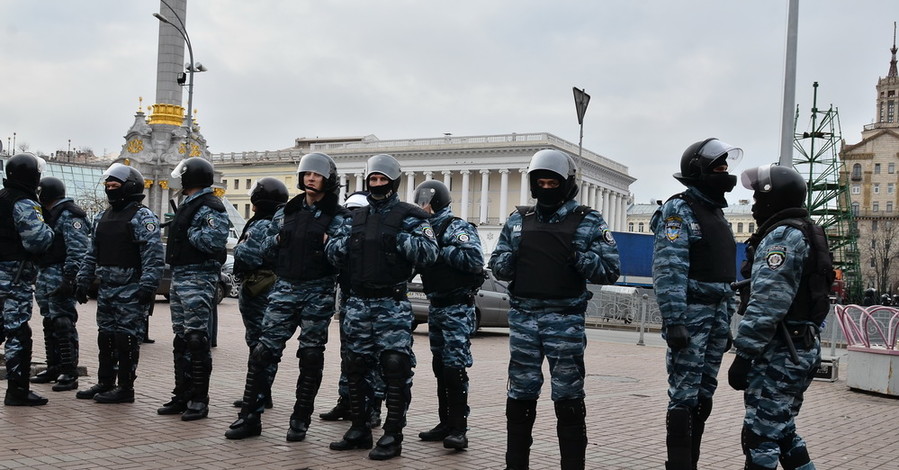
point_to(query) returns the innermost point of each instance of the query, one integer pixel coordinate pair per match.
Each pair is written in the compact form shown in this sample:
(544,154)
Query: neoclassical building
(738,215)
(487,174)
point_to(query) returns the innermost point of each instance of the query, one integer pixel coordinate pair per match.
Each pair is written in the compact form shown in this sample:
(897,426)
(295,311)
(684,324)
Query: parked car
(491,302)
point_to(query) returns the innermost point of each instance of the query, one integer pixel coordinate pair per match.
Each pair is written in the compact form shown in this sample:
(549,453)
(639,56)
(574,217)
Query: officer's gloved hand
(738,374)
(66,288)
(81,294)
(677,336)
(730,341)
(145,296)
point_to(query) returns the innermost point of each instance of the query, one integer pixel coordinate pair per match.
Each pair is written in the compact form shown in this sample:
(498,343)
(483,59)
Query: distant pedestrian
(550,252)
(694,264)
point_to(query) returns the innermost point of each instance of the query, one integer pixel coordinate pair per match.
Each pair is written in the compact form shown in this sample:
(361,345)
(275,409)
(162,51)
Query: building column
(622,219)
(613,209)
(447,178)
(604,203)
(523,191)
(343,188)
(359,180)
(429,175)
(465,176)
(485,192)
(503,195)
(410,185)
(586,194)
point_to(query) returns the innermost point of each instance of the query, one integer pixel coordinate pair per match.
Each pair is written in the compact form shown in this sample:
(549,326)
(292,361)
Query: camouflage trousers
(773,400)
(292,305)
(252,311)
(693,370)
(449,332)
(373,377)
(117,312)
(17,308)
(48,280)
(558,337)
(192,296)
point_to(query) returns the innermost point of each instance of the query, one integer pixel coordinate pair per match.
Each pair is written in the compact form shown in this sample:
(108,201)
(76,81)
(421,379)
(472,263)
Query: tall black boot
(359,434)
(249,420)
(178,403)
(312,362)
(105,368)
(700,415)
(18,371)
(340,411)
(520,416)
(128,348)
(397,369)
(64,330)
(457,408)
(51,372)
(442,429)
(572,432)
(679,424)
(200,370)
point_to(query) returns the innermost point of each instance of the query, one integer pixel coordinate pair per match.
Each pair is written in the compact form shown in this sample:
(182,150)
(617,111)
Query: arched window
(640,227)
(630,226)
(857,172)
(855,208)
(740,227)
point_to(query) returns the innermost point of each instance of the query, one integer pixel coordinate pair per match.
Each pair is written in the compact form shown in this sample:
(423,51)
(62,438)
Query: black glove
(145,296)
(677,336)
(738,374)
(730,341)
(65,289)
(81,294)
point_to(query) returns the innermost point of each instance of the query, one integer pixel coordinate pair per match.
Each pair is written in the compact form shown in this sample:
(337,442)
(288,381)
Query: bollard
(642,320)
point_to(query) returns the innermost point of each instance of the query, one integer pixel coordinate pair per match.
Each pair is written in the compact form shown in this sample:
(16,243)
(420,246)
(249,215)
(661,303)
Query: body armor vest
(301,254)
(545,268)
(11,248)
(373,256)
(179,251)
(57,252)
(441,277)
(712,258)
(114,238)
(240,267)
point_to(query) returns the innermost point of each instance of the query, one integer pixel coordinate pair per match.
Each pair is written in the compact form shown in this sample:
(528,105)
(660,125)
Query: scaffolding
(829,204)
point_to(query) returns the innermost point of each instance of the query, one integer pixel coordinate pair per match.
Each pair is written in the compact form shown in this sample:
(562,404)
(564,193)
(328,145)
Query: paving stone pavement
(626,398)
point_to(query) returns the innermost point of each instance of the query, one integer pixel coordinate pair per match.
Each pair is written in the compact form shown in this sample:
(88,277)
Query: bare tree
(91,202)
(883,252)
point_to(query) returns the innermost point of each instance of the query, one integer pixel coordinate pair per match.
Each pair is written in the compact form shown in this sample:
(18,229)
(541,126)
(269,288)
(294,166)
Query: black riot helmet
(132,181)
(23,171)
(775,188)
(322,164)
(193,172)
(700,160)
(432,192)
(268,193)
(549,163)
(50,189)
(385,165)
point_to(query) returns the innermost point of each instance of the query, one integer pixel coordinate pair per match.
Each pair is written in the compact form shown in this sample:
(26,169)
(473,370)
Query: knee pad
(311,358)
(261,356)
(679,421)
(750,440)
(520,412)
(354,364)
(22,332)
(793,456)
(570,411)
(197,341)
(703,410)
(48,323)
(396,365)
(63,324)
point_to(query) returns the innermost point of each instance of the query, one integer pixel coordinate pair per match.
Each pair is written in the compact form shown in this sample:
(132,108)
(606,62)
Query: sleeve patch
(673,226)
(150,226)
(76,225)
(463,237)
(428,231)
(776,256)
(210,221)
(607,237)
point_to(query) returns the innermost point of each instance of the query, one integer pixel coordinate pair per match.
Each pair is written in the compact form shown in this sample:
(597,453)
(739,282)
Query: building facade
(739,216)
(486,175)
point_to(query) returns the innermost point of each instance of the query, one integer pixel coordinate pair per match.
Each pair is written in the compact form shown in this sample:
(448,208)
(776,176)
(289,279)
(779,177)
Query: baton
(15,280)
(789,340)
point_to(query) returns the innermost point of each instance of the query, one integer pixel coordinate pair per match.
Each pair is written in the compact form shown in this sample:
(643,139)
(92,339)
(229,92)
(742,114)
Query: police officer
(341,410)
(253,267)
(23,237)
(381,245)
(777,345)
(126,256)
(54,289)
(450,285)
(694,263)
(303,296)
(195,251)
(550,251)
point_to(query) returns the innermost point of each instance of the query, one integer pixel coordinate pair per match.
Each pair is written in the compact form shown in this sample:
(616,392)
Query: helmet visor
(177,173)
(757,179)
(117,171)
(714,149)
(253,189)
(423,196)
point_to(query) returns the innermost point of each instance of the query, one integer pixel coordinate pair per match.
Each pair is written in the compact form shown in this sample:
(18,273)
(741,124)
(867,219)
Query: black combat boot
(520,416)
(17,374)
(51,372)
(340,411)
(178,403)
(200,370)
(105,367)
(374,413)
(312,363)
(247,425)
(457,408)
(679,424)
(64,330)
(128,348)
(397,369)
(700,415)
(359,434)
(260,376)
(572,432)
(442,429)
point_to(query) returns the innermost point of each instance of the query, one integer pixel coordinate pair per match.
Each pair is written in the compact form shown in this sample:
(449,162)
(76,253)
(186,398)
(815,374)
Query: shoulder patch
(673,227)
(40,212)
(210,221)
(776,256)
(463,237)
(76,224)
(607,237)
(428,231)
(150,226)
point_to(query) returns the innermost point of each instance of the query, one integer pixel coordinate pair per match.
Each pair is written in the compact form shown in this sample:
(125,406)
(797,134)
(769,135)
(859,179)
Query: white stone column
(622,219)
(359,180)
(410,185)
(604,204)
(465,180)
(503,195)
(613,210)
(343,188)
(485,193)
(447,178)
(586,196)
(429,175)
(524,190)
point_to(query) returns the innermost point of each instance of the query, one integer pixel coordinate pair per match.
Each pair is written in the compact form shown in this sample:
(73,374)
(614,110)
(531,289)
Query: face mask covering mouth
(380,191)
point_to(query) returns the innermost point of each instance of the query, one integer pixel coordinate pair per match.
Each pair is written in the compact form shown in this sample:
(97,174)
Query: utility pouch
(259,282)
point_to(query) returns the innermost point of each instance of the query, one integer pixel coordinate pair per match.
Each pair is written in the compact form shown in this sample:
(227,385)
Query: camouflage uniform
(451,320)
(60,336)
(552,328)
(192,297)
(378,323)
(25,225)
(703,307)
(776,381)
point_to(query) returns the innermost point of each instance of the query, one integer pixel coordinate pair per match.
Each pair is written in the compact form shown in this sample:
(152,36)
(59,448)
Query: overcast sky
(662,74)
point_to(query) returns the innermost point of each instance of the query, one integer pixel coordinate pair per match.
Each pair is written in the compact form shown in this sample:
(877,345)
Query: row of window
(875,207)
(857,170)
(875,188)
(642,226)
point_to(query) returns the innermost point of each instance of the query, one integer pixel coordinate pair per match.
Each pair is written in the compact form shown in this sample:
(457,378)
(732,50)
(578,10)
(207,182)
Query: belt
(441,302)
(398,292)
